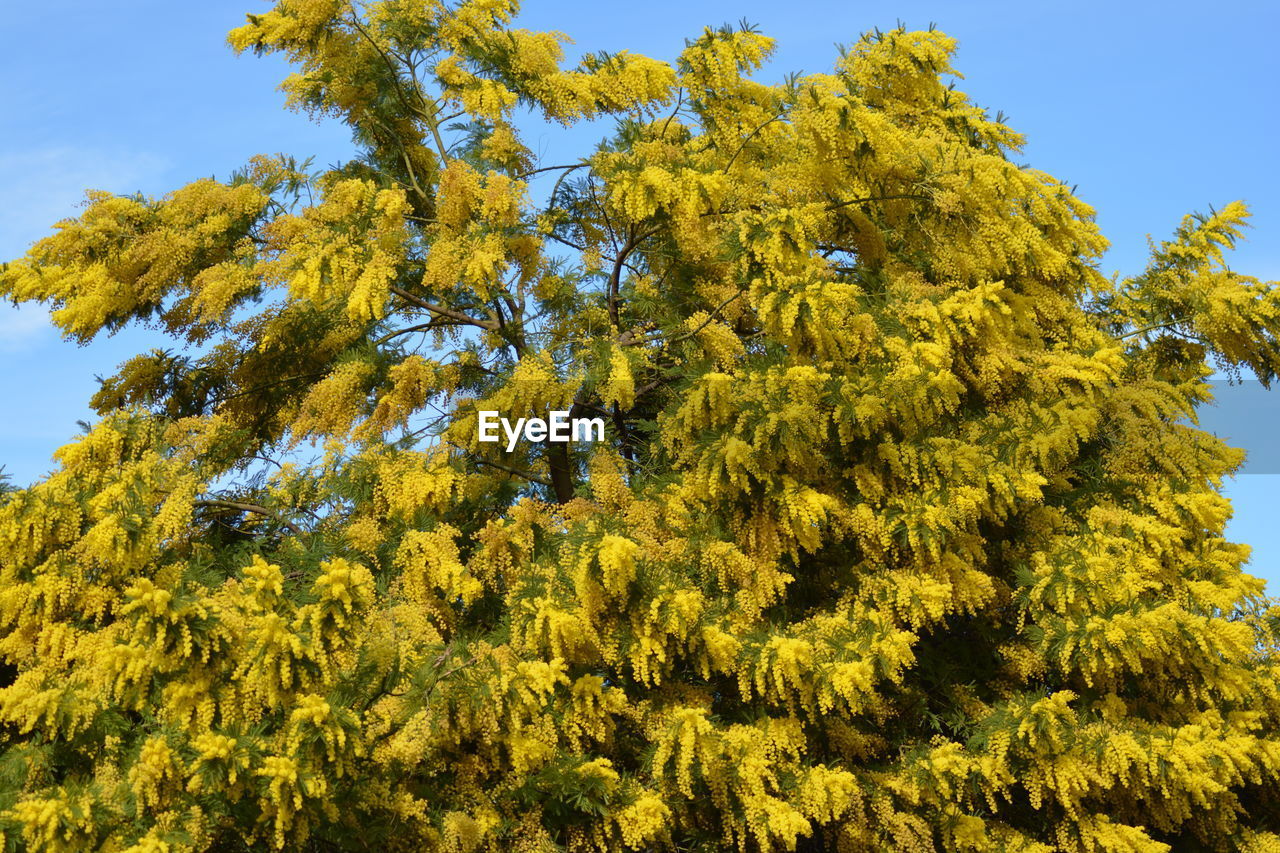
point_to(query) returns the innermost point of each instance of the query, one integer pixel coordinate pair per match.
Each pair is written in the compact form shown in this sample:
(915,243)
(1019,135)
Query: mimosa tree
(899,537)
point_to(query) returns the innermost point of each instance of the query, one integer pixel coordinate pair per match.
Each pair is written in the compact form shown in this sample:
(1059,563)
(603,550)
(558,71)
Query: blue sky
(1152,109)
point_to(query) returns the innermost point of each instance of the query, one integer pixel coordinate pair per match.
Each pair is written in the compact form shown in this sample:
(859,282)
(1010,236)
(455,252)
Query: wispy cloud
(22,328)
(42,186)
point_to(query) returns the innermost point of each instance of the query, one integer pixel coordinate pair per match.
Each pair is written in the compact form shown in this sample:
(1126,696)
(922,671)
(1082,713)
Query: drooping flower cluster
(899,538)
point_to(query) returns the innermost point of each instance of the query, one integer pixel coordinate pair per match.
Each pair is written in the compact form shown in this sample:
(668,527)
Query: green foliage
(898,539)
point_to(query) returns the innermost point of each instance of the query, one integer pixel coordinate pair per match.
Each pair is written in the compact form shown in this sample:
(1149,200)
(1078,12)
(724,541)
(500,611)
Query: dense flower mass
(900,536)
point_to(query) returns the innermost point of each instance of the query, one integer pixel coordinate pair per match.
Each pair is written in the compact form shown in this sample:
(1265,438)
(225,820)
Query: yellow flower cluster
(899,536)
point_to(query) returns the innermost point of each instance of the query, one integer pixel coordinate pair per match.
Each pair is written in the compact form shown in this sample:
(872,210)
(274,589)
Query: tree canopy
(901,535)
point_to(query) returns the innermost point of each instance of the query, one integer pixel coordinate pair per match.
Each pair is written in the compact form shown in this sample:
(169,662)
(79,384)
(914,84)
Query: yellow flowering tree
(899,537)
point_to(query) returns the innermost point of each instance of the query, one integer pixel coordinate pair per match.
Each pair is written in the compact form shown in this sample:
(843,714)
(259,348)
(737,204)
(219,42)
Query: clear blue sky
(1152,109)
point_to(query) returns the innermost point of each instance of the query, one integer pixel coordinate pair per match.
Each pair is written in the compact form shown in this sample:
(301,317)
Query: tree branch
(254,508)
(615,277)
(421,327)
(1169,325)
(568,168)
(629,339)
(839,204)
(395,81)
(748,138)
(442,311)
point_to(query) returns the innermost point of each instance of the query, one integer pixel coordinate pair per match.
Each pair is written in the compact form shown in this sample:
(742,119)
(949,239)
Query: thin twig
(626,340)
(421,327)
(747,139)
(568,168)
(1170,324)
(524,475)
(395,80)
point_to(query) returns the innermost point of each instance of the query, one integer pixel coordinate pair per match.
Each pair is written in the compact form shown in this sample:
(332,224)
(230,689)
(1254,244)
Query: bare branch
(1168,326)
(442,311)
(568,168)
(254,508)
(839,204)
(421,327)
(424,114)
